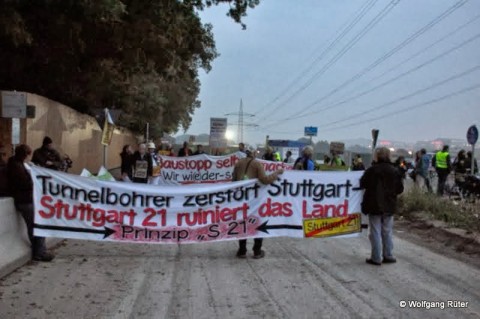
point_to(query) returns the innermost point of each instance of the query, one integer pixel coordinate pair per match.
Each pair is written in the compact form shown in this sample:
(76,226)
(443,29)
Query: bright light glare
(229,135)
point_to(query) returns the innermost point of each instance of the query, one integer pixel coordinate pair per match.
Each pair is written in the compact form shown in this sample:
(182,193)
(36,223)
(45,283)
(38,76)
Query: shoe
(389,260)
(259,254)
(241,254)
(44,257)
(372,262)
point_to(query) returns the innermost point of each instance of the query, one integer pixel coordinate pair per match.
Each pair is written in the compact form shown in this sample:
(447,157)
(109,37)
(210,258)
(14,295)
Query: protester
(269,156)
(277,156)
(199,150)
(185,150)
(337,160)
(154,179)
(126,166)
(460,167)
(358,164)
(3,156)
(249,168)
(241,147)
(46,156)
(382,183)
(166,150)
(305,162)
(142,165)
(422,164)
(441,162)
(21,189)
(402,166)
(468,163)
(3,171)
(326,159)
(288,158)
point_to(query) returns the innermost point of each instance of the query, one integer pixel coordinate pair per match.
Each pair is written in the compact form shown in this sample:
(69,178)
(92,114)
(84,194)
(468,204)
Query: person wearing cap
(20,187)
(249,168)
(142,165)
(154,179)
(46,156)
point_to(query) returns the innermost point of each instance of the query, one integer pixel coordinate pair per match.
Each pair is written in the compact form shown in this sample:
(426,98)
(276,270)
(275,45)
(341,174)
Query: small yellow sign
(332,226)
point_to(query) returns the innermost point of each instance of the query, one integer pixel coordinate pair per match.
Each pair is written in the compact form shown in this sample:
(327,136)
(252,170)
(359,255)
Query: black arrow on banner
(264,227)
(106,232)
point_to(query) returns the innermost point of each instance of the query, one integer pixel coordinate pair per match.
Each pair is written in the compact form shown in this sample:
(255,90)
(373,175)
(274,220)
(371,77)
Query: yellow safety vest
(441,160)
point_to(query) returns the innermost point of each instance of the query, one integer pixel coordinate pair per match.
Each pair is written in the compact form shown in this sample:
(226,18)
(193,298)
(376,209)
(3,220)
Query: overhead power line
(393,51)
(342,52)
(366,7)
(406,109)
(401,75)
(419,52)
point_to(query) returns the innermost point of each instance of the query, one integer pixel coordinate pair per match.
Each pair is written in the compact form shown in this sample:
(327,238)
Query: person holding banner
(142,165)
(126,166)
(249,168)
(155,178)
(21,189)
(382,183)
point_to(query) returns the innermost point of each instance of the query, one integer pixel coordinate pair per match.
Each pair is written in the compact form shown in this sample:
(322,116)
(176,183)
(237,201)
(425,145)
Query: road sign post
(472,137)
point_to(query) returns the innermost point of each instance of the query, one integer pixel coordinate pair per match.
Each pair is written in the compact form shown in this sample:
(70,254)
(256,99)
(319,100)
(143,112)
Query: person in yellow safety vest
(277,156)
(441,162)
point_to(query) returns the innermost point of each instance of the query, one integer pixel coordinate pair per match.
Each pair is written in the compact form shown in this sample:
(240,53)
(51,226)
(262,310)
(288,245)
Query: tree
(141,57)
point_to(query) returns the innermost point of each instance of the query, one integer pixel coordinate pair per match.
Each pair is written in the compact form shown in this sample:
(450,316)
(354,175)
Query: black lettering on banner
(308,188)
(232,228)
(213,231)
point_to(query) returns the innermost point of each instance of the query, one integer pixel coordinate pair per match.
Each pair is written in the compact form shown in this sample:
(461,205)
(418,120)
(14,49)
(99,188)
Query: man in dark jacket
(46,156)
(382,183)
(142,165)
(21,189)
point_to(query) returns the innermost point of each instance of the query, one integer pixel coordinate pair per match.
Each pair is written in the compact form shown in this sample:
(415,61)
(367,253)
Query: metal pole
(472,171)
(105,156)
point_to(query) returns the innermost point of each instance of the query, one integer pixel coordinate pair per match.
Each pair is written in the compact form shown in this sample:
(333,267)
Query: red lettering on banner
(228,162)
(186,164)
(84,212)
(322,211)
(212,216)
(275,209)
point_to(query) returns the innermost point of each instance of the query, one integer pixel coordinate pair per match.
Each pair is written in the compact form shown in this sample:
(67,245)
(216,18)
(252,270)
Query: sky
(409,68)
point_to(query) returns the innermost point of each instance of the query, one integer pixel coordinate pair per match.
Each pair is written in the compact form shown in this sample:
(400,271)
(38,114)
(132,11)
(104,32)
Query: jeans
(257,245)
(38,243)
(381,231)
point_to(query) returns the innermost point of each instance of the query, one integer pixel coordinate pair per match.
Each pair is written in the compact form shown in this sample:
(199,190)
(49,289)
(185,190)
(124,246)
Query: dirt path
(323,278)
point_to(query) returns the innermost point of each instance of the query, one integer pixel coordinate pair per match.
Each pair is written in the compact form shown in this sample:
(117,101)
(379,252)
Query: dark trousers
(442,179)
(257,245)
(38,243)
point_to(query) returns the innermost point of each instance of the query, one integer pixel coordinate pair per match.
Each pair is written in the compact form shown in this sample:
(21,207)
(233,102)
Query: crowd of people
(382,182)
(442,164)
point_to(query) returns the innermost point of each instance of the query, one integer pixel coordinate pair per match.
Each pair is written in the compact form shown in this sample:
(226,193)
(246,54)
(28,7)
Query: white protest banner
(203,168)
(299,204)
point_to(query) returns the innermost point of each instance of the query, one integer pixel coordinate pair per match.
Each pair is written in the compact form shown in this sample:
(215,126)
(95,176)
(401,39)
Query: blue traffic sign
(311,131)
(472,135)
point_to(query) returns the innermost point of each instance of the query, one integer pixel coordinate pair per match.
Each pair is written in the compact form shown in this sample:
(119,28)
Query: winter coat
(382,183)
(20,185)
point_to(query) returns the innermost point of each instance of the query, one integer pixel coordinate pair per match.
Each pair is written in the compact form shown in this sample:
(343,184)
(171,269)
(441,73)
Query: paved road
(322,278)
